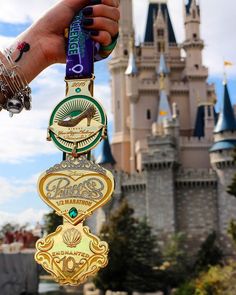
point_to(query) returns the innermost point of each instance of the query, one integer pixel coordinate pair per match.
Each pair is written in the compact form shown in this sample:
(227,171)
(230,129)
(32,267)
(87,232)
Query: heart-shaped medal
(76,188)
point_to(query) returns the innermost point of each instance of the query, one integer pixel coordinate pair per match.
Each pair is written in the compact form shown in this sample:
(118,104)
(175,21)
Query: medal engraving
(71,254)
(78,123)
(76,183)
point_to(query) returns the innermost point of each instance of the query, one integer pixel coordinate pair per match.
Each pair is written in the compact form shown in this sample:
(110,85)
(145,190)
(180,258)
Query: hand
(100,18)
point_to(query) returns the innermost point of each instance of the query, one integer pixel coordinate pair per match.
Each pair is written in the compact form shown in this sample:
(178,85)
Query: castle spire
(154,8)
(226,121)
(106,157)
(163,69)
(132,68)
(164,111)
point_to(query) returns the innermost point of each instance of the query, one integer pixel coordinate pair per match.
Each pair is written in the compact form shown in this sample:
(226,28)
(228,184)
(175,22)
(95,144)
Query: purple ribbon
(80,51)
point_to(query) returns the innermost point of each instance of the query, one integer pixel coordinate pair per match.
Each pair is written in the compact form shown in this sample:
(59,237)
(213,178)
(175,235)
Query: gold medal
(71,254)
(78,123)
(76,188)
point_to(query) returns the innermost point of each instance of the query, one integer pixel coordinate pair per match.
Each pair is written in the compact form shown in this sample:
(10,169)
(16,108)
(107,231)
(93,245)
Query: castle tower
(126,28)
(132,93)
(120,101)
(159,163)
(195,73)
(160,31)
(221,155)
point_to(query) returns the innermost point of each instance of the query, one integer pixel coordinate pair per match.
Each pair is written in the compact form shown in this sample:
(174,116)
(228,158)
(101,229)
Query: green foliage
(52,221)
(187,288)
(232,230)
(217,280)
(174,254)
(209,254)
(232,187)
(132,254)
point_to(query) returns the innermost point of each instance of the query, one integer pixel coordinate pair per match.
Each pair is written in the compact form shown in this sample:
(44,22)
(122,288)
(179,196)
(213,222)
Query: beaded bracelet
(13,86)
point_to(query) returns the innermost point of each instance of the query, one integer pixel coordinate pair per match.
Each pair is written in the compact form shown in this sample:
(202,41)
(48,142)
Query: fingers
(102,37)
(101,24)
(114,3)
(102,11)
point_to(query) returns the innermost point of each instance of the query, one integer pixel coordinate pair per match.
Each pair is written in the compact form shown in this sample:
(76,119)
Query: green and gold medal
(76,187)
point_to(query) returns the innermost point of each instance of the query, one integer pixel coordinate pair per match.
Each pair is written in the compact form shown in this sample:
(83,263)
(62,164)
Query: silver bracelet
(14,87)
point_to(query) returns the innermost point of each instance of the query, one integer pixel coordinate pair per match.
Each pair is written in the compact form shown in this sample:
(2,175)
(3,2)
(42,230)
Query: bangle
(13,86)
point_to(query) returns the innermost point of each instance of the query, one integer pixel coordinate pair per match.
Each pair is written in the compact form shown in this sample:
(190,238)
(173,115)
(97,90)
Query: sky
(24,151)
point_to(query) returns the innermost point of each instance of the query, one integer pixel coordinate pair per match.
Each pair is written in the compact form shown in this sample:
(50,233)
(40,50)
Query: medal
(76,187)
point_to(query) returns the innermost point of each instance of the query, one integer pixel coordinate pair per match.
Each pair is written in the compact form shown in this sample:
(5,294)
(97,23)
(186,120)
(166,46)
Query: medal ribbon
(80,51)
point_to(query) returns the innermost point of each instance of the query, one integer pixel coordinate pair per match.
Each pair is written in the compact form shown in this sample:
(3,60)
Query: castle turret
(126,28)
(164,112)
(160,31)
(120,101)
(132,93)
(158,14)
(106,158)
(221,155)
(194,71)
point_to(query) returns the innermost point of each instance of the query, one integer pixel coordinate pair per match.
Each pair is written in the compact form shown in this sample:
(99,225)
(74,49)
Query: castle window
(161,46)
(196,67)
(149,115)
(126,52)
(118,104)
(194,14)
(160,33)
(195,36)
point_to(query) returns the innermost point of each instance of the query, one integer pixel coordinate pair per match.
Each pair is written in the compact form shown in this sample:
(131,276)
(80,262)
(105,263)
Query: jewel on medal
(73,212)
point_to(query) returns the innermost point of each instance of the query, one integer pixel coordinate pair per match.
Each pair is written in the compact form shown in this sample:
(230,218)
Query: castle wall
(196,209)
(160,197)
(194,152)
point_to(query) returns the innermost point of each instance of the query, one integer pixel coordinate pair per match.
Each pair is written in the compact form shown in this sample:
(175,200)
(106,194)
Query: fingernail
(94,33)
(87,21)
(95,2)
(87,11)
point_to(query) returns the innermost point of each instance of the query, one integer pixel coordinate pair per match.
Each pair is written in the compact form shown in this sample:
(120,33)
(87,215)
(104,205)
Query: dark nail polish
(87,11)
(87,21)
(95,2)
(94,33)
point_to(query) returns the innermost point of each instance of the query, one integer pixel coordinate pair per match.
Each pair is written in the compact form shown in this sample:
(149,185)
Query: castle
(171,153)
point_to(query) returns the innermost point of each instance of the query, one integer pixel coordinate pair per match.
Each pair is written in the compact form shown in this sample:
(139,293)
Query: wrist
(32,61)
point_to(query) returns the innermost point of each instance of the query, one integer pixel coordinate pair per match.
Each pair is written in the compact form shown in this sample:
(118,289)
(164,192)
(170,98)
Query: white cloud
(5,42)
(12,188)
(15,11)
(28,216)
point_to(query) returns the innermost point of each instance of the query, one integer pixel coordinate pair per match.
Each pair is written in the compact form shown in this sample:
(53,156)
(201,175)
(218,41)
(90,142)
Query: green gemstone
(73,212)
(77,90)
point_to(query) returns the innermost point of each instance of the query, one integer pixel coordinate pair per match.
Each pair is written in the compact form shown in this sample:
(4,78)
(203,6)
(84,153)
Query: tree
(209,254)
(132,253)
(176,262)
(232,230)
(52,221)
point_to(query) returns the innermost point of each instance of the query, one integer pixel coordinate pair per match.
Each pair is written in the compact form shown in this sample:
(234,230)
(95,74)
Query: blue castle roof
(199,130)
(106,156)
(153,10)
(188,6)
(229,144)
(226,120)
